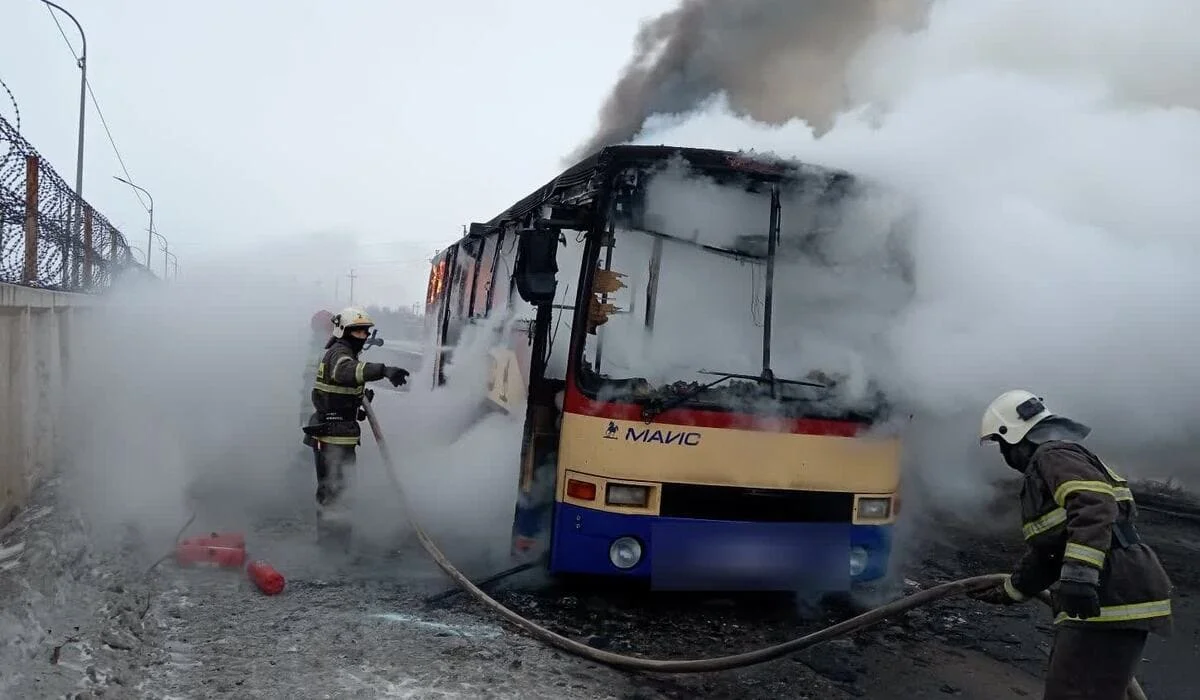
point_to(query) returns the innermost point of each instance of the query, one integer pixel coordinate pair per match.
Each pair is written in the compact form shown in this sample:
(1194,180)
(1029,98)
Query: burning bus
(664,436)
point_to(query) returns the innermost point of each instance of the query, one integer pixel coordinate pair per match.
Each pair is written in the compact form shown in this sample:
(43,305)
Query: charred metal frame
(652,282)
(451,259)
(610,241)
(591,184)
(769,293)
(587,190)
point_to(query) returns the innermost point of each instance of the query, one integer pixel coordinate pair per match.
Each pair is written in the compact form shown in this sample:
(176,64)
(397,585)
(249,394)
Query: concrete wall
(34,339)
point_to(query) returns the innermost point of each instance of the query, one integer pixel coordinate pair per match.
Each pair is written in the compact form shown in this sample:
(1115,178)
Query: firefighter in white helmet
(1109,589)
(333,431)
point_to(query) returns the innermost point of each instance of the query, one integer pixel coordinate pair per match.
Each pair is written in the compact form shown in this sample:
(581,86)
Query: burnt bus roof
(613,158)
(609,160)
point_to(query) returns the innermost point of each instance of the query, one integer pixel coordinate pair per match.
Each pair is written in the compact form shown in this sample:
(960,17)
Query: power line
(113,143)
(95,103)
(64,34)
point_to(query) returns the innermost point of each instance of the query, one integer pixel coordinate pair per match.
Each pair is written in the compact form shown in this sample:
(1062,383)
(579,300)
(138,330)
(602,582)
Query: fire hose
(719,663)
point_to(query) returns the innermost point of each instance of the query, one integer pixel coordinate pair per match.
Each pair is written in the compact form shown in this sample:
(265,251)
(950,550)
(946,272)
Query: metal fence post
(31,219)
(87,247)
(90,253)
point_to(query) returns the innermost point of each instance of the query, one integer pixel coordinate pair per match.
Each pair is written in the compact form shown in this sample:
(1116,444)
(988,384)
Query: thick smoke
(1050,153)
(775,59)
(188,398)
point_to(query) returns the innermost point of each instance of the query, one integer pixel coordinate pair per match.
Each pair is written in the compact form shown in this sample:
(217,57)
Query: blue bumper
(688,554)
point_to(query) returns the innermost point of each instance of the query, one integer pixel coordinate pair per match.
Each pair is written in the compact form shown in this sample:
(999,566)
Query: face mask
(1017,456)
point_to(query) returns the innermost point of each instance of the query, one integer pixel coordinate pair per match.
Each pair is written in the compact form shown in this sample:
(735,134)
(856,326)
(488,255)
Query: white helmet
(1011,416)
(350,317)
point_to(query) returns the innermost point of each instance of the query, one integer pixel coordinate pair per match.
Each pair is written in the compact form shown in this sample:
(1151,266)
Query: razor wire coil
(62,249)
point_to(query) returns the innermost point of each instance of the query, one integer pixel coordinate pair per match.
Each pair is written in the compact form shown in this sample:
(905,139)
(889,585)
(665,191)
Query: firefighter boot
(333,525)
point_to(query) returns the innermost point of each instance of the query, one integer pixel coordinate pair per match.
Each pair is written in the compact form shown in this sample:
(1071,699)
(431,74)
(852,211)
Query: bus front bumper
(693,554)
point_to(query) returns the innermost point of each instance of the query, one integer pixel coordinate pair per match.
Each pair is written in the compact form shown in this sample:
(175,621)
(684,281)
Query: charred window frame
(474,248)
(506,258)
(596,237)
(622,200)
(490,258)
(831,185)
(450,258)
(436,288)
(487,242)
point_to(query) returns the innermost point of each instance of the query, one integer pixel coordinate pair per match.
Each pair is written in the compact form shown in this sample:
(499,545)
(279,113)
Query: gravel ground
(82,620)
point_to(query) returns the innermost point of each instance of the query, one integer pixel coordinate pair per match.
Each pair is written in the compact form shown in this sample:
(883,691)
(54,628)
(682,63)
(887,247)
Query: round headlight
(858,560)
(625,552)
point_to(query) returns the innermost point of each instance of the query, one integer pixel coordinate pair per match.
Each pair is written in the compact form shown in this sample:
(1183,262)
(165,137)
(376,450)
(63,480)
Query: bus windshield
(690,254)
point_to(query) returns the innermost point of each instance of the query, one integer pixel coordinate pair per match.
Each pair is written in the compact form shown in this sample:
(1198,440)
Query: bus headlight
(625,552)
(874,508)
(858,560)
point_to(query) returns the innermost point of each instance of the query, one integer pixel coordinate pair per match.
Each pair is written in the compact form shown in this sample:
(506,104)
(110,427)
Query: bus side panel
(508,376)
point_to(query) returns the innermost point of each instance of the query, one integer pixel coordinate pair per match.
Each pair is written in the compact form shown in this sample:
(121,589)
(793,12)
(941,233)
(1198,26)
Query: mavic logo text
(662,437)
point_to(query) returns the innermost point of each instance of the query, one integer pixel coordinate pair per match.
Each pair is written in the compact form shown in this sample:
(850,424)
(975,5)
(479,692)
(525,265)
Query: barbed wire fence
(45,240)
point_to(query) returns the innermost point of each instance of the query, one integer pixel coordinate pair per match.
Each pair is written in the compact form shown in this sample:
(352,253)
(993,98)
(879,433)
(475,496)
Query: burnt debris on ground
(83,620)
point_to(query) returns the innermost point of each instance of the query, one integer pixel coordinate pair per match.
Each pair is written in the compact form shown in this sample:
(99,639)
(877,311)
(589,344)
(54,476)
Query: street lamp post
(78,216)
(150,235)
(166,251)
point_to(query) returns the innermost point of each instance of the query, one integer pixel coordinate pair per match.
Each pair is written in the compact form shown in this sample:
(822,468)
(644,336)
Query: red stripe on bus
(579,404)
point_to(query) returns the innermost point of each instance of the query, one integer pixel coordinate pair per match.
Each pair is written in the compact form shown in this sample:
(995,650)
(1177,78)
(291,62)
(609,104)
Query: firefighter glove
(362,414)
(1001,593)
(1078,599)
(395,375)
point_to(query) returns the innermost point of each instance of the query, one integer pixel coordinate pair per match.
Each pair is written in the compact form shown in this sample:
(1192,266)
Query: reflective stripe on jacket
(1077,518)
(337,393)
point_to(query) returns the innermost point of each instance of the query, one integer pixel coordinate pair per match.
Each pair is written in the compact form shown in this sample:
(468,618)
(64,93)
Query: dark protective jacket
(1077,517)
(337,395)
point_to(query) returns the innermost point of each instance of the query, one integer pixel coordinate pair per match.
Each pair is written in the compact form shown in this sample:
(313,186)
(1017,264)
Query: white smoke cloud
(710,306)
(189,396)
(1051,152)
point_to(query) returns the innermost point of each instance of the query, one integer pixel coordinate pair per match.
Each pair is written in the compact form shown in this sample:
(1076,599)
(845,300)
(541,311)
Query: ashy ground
(77,620)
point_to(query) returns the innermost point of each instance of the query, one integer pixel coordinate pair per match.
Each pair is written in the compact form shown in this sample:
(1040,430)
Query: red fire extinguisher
(216,549)
(265,577)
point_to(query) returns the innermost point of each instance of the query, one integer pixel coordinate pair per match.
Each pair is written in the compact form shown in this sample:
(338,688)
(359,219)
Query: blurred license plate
(704,555)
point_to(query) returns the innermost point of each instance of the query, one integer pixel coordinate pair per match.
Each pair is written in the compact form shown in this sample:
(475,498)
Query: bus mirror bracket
(536,269)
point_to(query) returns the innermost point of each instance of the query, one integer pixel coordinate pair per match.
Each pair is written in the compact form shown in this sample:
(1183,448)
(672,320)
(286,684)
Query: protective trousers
(332,462)
(1093,664)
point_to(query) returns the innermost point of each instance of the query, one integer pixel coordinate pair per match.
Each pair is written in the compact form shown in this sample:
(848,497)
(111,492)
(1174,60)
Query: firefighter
(333,431)
(1109,589)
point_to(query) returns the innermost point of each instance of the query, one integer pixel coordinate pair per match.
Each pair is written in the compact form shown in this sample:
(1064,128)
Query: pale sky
(389,123)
